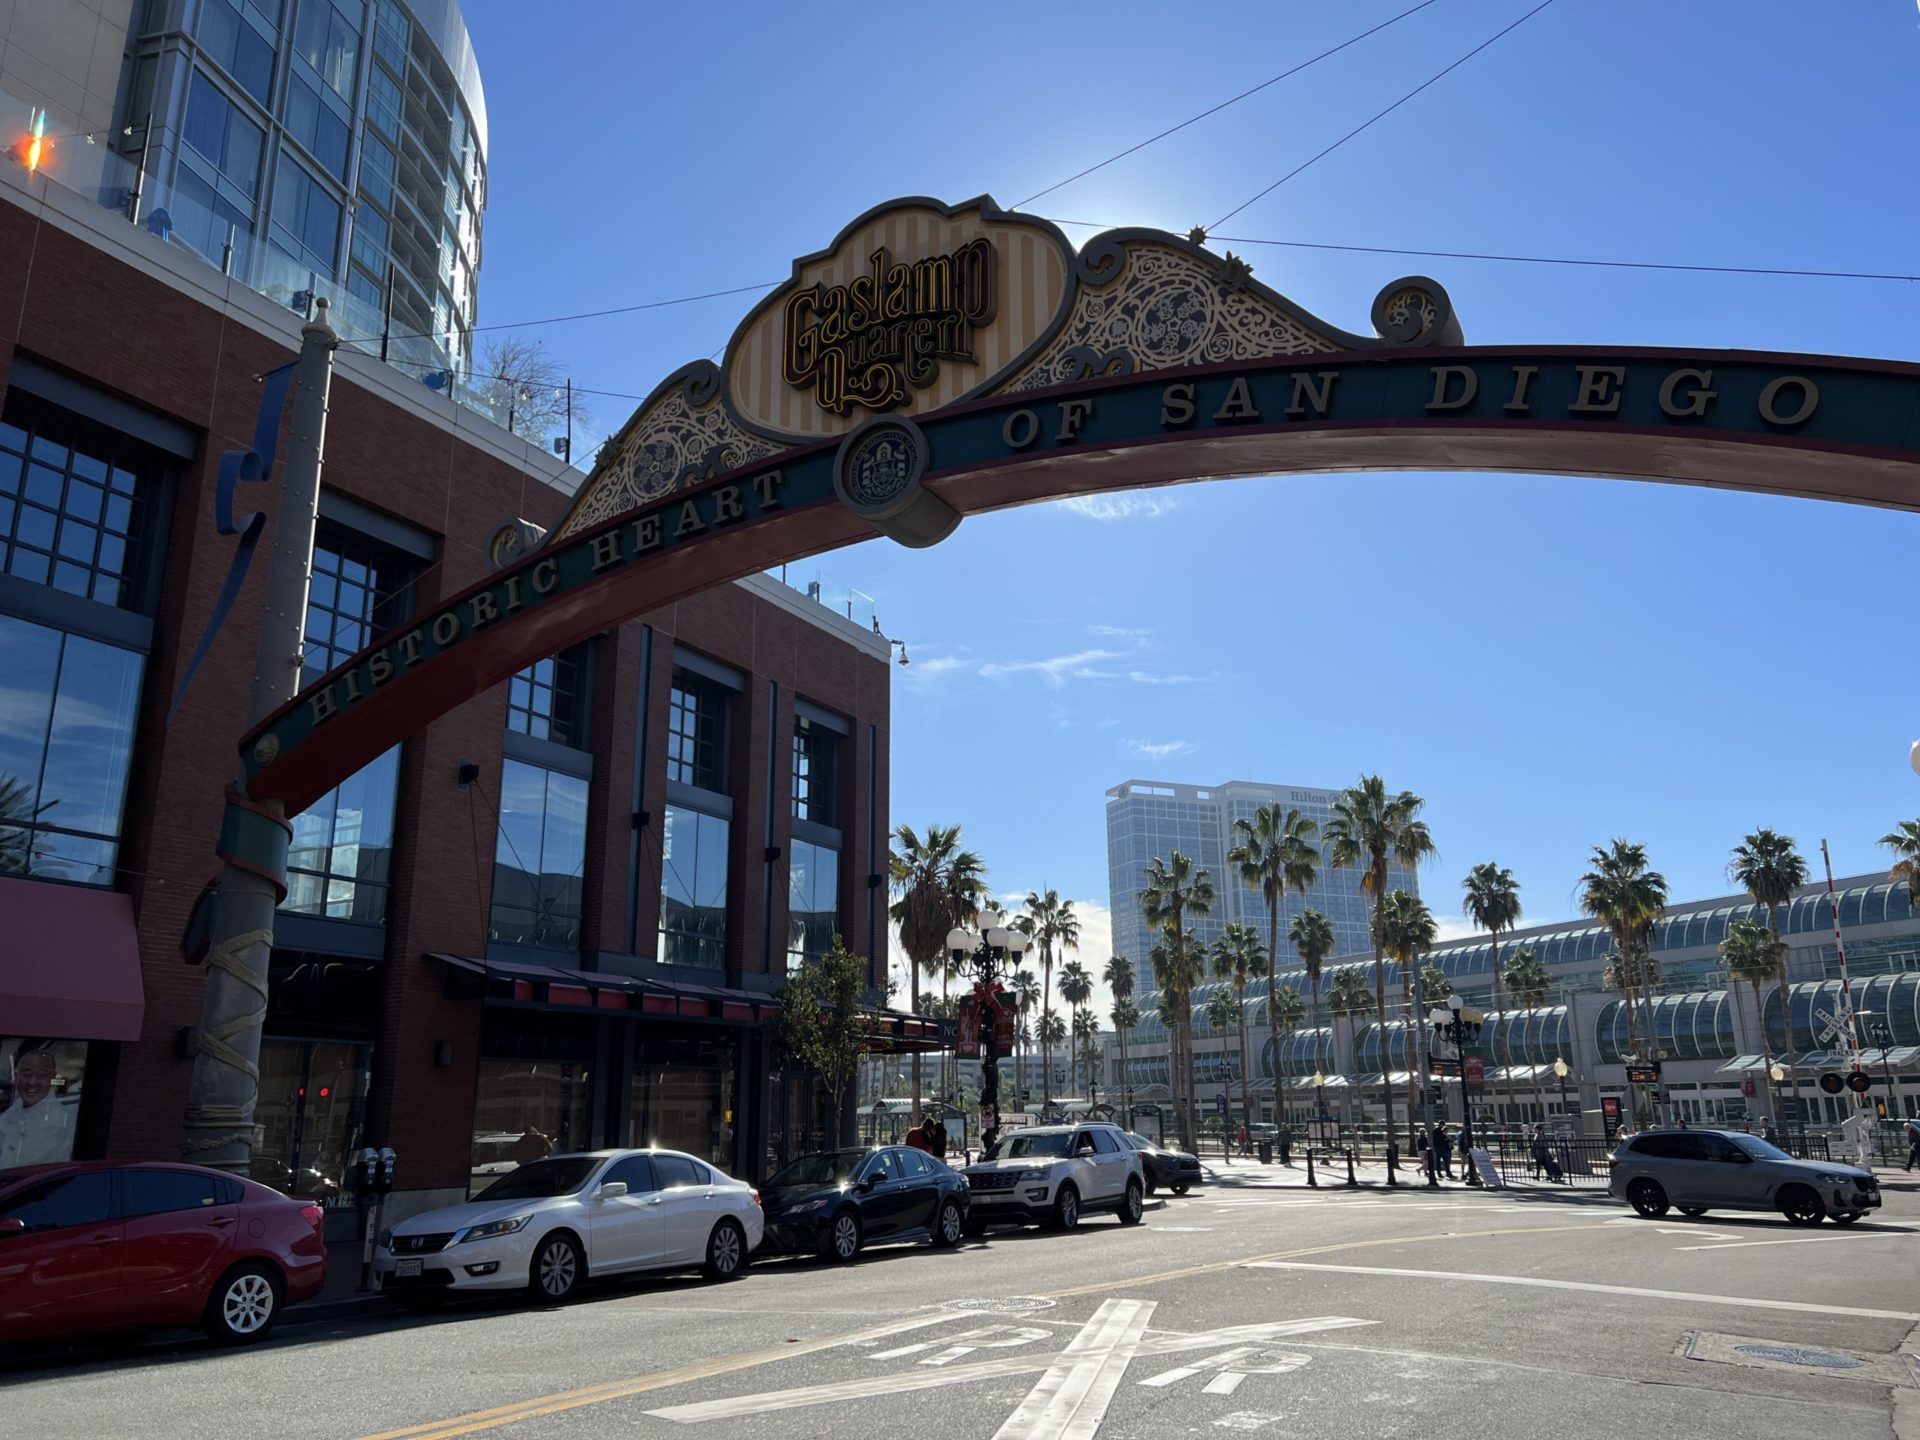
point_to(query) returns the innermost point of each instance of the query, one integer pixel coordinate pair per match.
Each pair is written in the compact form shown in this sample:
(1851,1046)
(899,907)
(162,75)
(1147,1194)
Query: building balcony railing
(842,599)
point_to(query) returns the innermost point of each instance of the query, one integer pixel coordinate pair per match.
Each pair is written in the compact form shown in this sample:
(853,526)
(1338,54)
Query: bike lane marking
(1071,1399)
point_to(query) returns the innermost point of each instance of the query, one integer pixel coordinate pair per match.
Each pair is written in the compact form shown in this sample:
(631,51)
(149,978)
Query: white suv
(1054,1174)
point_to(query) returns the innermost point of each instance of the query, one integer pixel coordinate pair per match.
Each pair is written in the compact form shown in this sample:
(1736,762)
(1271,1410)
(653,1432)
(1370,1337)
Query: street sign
(1832,1026)
(1832,1083)
(1476,1070)
(1859,1082)
(1747,1087)
(1220,1104)
(1610,1114)
(1644,1074)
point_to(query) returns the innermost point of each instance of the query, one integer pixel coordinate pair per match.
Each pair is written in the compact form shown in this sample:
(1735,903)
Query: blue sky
(1550,661)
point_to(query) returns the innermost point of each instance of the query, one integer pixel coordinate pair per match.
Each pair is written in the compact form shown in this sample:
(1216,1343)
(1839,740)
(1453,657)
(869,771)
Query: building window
(306,219)
(222,136)
(696,732)
(813,756)
(328,41)
(376,176)
(693,889)
(383,103)
(70,515)
(813,906)
(239,48)
(392,36)
(538,857)
(544,701)
(69,705)
(312,122)
(343,843)
(204,219)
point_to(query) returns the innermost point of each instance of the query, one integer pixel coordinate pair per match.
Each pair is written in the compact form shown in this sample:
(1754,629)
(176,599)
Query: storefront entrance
(313,1100)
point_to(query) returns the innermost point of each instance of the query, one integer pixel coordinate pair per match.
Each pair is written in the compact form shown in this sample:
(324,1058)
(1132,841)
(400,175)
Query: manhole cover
(1799,1355)
(1005,1305)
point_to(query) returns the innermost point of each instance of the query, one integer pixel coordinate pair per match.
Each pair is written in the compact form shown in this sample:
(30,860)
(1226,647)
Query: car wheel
(1066,1209)
(1134,1207)
(1693,1212)
(1802,1206)
(843,1237)
(557,1271)
(726,1251)
(1647,1198)
(1844,1217)
(244,1305)
(949,1224)
(1179,1187)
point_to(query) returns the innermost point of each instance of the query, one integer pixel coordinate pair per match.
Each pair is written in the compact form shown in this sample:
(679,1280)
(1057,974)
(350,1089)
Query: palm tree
(1125,1016)
(1407,932)
(1276,854)
(1086,1039)
(1904,841)
(1223,1012)
(1049,921)
(1493,903)
(1175,890)
(1369,828)
(1053,1031)
(1434,985)
(1633,972)
(1076,988)
(1311,935)
(1768,868)
(1288,1011)
(936,885)
(1529,985)
(15,840)
(1025,986)
(1118,973)
(1749,953)
(1348,998)
(1238,956)
(1626,897)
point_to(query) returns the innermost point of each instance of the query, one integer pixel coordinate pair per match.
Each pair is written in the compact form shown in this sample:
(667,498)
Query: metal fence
(1576,1161)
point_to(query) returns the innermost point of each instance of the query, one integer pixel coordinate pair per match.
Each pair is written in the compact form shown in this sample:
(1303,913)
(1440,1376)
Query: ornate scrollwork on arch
(680,436)
(1415,311)
(1152,305)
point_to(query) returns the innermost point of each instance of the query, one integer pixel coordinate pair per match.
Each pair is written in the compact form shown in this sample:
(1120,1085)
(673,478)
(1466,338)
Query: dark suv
(1699,1170)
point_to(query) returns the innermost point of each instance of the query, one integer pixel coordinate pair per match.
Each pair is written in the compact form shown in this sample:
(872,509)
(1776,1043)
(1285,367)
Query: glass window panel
(29,565)
(34,526)
(84,785)
(44,484)
(77,542)
(74,579)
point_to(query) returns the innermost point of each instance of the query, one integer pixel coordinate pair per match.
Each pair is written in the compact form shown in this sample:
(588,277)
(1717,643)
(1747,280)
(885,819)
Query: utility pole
(254,836)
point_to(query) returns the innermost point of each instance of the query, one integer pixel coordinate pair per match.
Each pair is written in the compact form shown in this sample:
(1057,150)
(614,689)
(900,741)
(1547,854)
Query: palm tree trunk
(1380,1003)
(1273,1015)
(1786,1005)
(1766,1069)
(1046,1013)
(1406,1051)
(1319,1095)
(1246,1083)
(913,966)
(1506,1034)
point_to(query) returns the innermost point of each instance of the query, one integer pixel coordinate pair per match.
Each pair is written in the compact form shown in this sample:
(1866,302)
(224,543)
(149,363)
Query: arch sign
(940,360)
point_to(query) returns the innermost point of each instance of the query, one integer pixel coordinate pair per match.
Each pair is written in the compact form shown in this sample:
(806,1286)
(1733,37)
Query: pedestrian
(533,1144)
(937,1138)
(1913,1141)
(1425,1142)
(1246,1141)
(1543,1160)
(1466,1153)
(917,1136)
(1767,1132)
(1285,1140)
(1443,1149)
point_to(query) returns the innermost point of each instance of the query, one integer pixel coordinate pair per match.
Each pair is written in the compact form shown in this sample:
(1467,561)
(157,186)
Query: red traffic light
(1859,1082)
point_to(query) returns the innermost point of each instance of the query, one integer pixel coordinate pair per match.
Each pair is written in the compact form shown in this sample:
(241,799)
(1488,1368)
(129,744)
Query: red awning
(69,962)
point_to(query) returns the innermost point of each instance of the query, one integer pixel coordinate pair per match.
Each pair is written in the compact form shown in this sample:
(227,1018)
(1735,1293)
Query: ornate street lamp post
(995,943)
(1452,1023)
(1562,1070)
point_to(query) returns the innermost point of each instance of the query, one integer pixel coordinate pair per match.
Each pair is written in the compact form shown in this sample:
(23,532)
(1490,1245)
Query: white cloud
(1137,635)
(1119,507)
(1160,749)
(1457,927)
(1055,671)
(1147,677)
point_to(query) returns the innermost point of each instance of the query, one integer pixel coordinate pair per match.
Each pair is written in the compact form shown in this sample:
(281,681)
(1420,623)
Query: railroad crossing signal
(1859,1082)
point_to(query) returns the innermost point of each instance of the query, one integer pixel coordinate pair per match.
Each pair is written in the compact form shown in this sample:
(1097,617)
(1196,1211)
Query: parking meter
(373,1178)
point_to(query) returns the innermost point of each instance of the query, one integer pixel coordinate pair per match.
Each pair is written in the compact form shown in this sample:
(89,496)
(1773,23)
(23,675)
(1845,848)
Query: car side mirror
(871,1179)
(12,1225)
(612,1190)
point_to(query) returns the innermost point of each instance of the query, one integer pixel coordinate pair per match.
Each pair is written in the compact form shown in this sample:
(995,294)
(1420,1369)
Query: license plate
(405,1268)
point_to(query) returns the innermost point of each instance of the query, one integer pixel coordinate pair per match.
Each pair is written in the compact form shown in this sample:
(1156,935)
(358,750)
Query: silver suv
(1053,1174)
(1699,1170)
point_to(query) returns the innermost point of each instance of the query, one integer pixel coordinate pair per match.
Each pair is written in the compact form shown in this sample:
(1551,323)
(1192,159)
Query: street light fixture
(1876,1028)
(1562,1069)
(1451,1021)
(990,946)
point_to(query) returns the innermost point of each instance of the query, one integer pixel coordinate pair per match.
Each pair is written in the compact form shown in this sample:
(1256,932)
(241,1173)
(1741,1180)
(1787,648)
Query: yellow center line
(477,1420)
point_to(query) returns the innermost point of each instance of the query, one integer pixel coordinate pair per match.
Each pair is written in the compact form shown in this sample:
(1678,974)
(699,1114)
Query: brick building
(557,915)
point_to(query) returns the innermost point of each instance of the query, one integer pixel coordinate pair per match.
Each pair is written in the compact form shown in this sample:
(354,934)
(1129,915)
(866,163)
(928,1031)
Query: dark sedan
(1174,1169)
(837,1201)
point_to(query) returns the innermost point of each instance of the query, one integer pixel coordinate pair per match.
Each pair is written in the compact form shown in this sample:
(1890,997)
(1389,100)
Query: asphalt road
(1278,1312)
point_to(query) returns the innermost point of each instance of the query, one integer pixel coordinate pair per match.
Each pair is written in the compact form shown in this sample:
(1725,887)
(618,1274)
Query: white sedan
(549,1226)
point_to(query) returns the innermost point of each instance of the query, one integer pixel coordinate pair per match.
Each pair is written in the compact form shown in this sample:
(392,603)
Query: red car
(98,1248)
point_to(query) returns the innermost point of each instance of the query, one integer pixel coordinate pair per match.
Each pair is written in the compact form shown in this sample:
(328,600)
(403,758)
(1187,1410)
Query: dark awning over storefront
(555,987)
(69,962)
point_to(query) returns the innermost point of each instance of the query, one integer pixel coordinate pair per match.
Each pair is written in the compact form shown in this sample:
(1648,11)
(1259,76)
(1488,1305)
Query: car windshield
(1016,1147)
(829,1167)
(1140,1142)
(543,1179)
(1758,1148)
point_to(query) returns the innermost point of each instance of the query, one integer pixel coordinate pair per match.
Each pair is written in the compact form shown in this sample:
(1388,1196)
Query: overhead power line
(1431,80)
(1216,109)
